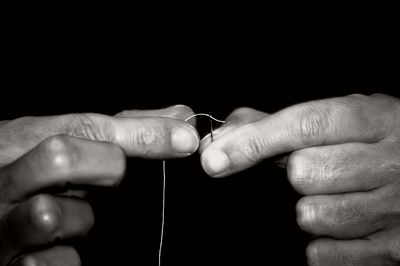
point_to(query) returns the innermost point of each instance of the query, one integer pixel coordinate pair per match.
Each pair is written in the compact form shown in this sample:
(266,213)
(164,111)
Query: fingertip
(184,140)
(215,162)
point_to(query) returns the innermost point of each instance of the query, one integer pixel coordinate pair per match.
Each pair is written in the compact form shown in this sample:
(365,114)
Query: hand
(41,157)
(344,157)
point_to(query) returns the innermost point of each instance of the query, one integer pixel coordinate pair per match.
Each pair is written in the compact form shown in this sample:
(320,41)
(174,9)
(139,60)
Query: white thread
(204,114)
(162,216)
(163,189)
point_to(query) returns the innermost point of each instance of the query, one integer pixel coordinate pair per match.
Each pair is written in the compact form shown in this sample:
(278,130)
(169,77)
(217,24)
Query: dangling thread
(162,215)
(164,178)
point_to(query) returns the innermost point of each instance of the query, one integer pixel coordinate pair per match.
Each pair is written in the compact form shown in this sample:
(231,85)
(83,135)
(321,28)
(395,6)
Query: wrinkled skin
(344,157)
(43,160)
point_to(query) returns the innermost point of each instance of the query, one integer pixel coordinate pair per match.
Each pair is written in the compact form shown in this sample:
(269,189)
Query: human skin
(344,157)
(44,161)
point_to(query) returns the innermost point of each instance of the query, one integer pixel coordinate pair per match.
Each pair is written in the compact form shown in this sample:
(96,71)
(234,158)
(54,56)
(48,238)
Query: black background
(120,63)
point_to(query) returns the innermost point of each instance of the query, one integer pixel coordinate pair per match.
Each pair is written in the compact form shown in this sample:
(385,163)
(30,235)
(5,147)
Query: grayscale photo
(168,144)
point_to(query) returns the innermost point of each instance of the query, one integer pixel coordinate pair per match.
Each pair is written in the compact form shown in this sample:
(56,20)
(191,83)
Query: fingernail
(184,140)
(215,162)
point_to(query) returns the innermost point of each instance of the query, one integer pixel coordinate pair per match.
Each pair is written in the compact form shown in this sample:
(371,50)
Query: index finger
(149,134)
(354,118)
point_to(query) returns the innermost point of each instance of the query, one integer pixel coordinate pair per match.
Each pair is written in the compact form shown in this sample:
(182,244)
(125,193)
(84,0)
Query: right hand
(344,156)
(43,156)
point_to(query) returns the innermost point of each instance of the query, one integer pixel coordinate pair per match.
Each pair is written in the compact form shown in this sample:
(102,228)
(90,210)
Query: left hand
(47,163)
(344,157)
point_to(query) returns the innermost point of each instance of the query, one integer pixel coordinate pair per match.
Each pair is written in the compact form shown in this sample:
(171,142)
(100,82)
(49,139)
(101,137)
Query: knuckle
(298,172)
(358,96)
(306,214)
(85,126)
(379,100)
(358,102)
(378,95)
(58,153)
(382,96)
(242,110)
(250,146)
(386,108)
(245,115)
(236,114)
(390,103)
(314,124)
(45,214)
(124,113)
(251,149)
(377,114)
